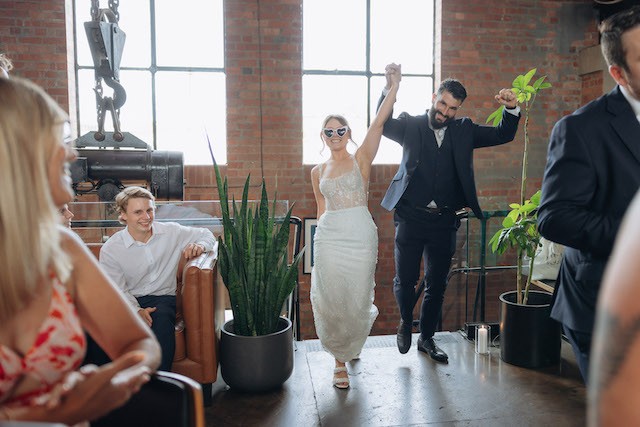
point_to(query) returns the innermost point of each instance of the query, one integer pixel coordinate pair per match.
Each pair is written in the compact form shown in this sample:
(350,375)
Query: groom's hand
(390,69)
(507,98)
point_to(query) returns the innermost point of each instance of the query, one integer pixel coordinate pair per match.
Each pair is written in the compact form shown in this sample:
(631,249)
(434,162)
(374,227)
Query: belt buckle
(427,209)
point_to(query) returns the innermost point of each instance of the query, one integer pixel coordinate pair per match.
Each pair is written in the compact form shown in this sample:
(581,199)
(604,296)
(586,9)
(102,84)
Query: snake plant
(254,260)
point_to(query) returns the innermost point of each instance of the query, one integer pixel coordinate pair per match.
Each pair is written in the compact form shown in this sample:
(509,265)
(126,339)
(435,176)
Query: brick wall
(484,44)
(592,84)
(33,35)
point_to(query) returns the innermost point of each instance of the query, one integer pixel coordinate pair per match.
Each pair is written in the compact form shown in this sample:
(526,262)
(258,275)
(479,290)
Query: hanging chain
(95,10)
(113,5)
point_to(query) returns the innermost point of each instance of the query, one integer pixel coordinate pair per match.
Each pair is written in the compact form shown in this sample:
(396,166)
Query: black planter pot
(256,364)
(528,336)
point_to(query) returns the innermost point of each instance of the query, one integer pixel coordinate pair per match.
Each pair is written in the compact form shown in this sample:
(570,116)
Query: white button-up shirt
(150,268)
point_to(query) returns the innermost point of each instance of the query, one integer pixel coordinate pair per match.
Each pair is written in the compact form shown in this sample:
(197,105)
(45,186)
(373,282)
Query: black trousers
(163,326)
(581,345)
(431,237)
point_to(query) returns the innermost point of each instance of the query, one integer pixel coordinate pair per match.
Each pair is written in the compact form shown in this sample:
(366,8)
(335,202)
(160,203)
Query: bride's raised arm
(369,148)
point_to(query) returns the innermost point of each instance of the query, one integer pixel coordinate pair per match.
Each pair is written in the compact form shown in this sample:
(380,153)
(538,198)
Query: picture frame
(310,225)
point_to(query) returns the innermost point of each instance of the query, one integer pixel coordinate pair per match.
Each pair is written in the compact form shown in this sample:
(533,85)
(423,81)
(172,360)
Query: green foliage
(253,260)
(519,228)
(525,93)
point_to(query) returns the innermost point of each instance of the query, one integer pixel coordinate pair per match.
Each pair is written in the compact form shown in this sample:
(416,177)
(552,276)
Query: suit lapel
(625,123)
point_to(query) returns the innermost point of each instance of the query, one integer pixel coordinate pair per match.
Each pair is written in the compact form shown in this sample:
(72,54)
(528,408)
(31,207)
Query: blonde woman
(346,239)
(51,288)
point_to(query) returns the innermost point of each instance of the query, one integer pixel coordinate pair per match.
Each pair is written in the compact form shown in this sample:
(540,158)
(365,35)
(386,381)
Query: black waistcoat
(435,178)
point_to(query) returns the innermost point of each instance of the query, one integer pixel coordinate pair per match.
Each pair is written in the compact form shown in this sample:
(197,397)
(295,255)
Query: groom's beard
(436,124)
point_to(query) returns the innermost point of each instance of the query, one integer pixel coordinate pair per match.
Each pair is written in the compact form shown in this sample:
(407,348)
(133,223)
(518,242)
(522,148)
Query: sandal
(340,382)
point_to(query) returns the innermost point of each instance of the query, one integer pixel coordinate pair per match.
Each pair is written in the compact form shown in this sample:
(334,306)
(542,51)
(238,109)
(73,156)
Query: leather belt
(435,211)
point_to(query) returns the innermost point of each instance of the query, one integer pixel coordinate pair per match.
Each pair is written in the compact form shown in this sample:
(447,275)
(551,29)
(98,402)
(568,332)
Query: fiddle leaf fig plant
(519,228)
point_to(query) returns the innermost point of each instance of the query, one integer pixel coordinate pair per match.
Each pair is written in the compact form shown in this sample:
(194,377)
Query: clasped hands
(393,74)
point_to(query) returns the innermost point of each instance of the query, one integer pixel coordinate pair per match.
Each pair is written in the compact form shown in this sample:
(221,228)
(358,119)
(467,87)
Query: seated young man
(143,258)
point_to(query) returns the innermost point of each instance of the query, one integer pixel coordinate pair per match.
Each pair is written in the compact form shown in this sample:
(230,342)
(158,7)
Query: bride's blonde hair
(30,125)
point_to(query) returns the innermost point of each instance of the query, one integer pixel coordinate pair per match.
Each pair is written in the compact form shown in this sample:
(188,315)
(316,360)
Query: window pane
(135,115)
(190,106)
(190,34)
(87,102)
(324,95)
(396,36)
(83,14)
(334,34)
(414,97)
(134,21)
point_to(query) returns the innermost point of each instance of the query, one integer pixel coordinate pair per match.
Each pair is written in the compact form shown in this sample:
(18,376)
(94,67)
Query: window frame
(153,69)
(368,73)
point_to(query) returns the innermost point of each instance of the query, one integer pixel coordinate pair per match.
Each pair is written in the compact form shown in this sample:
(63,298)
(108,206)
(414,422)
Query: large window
(172,70)
(346,45)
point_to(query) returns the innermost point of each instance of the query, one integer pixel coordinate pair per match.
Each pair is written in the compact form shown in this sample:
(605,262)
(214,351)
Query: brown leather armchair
(196,353)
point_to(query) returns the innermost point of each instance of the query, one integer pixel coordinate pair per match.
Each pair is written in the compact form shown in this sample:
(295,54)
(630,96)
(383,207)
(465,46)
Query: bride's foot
(340,377)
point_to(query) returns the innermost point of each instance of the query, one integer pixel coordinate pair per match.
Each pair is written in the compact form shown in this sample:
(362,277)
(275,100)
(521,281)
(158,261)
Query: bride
(345,249)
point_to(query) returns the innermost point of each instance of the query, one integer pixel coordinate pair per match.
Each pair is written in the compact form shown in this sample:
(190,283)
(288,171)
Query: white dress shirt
(150,268)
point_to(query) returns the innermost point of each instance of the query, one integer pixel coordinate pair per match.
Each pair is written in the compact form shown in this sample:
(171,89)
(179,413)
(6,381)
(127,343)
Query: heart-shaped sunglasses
(328,132)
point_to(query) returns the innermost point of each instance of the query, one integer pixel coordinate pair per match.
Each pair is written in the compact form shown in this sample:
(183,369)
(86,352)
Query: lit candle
(483,341)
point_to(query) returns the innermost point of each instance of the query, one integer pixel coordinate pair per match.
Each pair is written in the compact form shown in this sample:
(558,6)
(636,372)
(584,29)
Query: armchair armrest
(197,307)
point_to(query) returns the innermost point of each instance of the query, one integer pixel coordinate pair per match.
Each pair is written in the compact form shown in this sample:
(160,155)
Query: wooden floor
(392,389)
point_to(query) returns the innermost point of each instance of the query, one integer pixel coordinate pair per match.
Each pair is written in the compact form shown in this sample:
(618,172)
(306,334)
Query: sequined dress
(345,253)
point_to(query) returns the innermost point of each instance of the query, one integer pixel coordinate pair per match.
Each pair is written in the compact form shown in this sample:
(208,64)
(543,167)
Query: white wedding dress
(345,253)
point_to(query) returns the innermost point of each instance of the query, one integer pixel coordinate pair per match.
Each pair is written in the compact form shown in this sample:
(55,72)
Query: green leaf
(508,222)
(535,199)
(253,259)
(496,116)
(545,85)
(518,82)
(527,77)
(528,207)
(537,83)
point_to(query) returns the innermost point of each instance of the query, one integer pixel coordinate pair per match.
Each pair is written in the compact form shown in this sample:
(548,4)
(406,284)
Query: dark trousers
(431,237)
(581,344)
(163,326)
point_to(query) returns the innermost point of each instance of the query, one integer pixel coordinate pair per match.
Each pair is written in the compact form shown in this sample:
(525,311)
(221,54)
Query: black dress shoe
(404,337)
(429,346)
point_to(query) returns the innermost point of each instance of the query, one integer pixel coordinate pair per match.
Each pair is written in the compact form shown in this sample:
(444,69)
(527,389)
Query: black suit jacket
(410,132)
(592,173)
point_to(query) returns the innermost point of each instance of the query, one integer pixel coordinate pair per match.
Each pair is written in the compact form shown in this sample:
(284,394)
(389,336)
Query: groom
(434,180)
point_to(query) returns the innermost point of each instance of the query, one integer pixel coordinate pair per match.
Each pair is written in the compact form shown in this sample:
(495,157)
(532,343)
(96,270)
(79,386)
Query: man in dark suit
(434,180)
(592,173)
